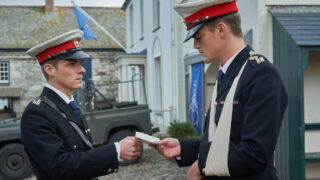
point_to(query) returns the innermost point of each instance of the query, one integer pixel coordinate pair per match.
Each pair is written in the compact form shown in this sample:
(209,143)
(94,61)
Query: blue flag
(82,23)
(195,98)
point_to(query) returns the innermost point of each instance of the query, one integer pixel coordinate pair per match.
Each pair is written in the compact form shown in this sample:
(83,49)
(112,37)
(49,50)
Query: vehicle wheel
(119,135)
(14,163)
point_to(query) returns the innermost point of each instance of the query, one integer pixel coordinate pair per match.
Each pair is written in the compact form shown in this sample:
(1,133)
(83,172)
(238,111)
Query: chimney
(49,6)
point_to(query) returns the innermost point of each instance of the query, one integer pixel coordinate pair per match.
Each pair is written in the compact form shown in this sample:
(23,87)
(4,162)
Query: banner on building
(195,97)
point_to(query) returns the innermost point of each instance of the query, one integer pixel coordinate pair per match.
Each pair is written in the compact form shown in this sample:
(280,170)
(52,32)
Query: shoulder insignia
(37,102)
(253,56)
(251,53)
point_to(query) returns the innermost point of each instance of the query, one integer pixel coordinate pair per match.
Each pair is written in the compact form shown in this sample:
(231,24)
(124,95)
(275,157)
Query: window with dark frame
(4,72)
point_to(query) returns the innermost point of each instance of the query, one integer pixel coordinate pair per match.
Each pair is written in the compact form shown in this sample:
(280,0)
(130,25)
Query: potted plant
(181,130)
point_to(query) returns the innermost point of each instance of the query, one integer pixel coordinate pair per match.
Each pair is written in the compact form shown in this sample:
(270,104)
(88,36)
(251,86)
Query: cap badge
(76,43)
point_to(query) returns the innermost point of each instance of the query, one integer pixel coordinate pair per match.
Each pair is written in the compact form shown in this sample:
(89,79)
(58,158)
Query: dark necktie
(74,106)
(219,77)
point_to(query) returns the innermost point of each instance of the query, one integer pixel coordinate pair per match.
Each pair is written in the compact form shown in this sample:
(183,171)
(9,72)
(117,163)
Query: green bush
(181,130)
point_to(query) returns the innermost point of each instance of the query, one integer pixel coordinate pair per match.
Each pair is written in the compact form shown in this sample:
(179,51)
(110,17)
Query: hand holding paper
(130,148)
(168,147)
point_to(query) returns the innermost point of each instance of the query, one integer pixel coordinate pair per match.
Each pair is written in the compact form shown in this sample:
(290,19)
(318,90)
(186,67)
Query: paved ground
(151,166)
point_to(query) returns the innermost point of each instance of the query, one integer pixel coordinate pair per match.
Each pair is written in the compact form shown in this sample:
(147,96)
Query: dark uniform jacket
(55,149)
(259,104)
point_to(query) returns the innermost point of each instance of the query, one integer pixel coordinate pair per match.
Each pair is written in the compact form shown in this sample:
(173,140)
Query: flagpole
(96,23)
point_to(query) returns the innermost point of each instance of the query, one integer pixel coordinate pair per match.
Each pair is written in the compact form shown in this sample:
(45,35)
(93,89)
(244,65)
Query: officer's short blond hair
(233,21)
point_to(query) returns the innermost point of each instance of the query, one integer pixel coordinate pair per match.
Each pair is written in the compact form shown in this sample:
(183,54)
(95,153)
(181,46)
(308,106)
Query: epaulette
(256,57)
(36,101)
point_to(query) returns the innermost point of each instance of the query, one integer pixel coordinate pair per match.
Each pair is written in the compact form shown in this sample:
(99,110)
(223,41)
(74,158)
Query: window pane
(4,72)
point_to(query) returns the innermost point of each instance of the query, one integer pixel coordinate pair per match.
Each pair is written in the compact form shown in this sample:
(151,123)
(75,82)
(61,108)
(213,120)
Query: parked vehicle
(109,121)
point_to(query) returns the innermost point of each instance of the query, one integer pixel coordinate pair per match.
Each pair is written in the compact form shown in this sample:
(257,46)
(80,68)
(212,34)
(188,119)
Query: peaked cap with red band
(65,46)
(196,13)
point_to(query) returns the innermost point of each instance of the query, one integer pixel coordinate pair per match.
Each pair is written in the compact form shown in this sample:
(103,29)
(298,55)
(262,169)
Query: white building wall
(249,16)
(181,51)
(255,16)
(158,44)
(166,42)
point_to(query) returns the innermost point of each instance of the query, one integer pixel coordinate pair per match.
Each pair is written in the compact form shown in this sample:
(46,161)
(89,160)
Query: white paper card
(147,138)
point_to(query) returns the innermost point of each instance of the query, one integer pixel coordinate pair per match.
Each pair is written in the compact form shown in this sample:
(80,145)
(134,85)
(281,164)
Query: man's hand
(168,147)
(194,173)
(130,148)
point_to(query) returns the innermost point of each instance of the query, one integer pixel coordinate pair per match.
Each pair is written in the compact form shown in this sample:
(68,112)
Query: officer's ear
(221,29)
(50,68)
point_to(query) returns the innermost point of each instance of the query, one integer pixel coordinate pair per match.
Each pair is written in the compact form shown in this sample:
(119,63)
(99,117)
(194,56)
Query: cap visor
(193,31)
(79,54)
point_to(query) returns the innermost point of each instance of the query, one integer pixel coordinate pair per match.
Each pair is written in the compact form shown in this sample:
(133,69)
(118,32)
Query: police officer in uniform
(243,122)
(54,133)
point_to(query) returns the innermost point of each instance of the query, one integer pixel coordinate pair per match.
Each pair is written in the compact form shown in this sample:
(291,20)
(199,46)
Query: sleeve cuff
(118,151)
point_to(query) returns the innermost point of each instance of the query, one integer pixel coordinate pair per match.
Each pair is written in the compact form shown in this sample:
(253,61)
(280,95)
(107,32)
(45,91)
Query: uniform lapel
(233,70)
(61,105)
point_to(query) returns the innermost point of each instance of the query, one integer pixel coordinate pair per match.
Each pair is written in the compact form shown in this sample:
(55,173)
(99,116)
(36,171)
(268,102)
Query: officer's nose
(196,44)
(82,69)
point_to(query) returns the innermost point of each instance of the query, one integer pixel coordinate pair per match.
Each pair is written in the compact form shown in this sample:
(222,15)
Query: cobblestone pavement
(151,166)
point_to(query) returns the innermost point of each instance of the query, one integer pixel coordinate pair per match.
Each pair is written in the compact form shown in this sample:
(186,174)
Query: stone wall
(104,72)
(25,27)
(25,73)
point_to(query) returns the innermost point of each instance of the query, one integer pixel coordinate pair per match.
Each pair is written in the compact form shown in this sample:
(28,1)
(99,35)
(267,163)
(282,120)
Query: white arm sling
(217,160)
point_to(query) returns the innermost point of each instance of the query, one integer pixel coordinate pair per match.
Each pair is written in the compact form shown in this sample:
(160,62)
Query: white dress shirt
(225,67)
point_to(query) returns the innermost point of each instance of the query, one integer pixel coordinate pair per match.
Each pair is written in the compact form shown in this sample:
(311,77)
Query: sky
(81,3)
